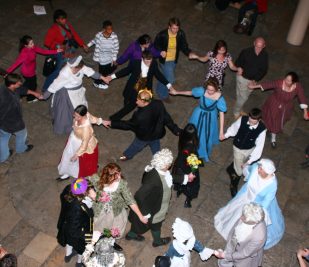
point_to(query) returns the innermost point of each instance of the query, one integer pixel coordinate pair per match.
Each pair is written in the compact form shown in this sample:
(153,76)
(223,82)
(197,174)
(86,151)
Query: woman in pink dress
(278,108)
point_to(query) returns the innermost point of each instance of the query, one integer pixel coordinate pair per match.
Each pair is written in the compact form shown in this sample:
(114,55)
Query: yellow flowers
(193,162)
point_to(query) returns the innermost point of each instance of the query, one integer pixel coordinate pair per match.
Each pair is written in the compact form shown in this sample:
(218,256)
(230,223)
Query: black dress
(191,189)
(75,223)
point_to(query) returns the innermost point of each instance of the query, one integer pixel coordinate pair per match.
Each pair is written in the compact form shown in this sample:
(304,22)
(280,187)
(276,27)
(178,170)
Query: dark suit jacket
(134,69)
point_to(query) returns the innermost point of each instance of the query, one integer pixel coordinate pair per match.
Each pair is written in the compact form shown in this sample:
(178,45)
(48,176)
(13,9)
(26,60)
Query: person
(187,145)
(205,116)
(247,15)
(27,60)
(153,198)
(135,49)
(246,240)
(184,242)
(80,155)
(303,257)
(162,261)
(114,197)
(105,52)
(249,134)
(7,259)
(171,40)
(253,64)
(148,123)
(141,76)
(278,108)
(61,35)
(260,187)
(68,92)
(76,218)
(11,118)
(218,60)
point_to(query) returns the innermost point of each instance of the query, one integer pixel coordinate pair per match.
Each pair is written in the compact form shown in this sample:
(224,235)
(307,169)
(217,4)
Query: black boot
(188,203)
(234,185)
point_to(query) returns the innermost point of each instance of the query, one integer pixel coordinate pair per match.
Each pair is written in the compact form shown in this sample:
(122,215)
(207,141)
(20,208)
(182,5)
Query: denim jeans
(138,145)
(168,70)
(20,143)
(60,60)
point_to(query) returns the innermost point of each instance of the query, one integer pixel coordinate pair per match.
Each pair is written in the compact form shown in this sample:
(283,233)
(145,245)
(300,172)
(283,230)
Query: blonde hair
(145,95)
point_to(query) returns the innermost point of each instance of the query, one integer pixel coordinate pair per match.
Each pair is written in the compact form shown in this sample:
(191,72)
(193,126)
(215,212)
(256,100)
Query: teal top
(117,200)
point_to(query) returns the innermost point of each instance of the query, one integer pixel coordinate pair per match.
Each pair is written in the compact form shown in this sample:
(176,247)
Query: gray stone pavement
(29,195)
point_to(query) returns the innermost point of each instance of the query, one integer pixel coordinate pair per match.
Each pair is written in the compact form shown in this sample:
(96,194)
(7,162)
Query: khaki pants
(240,157)
(242,93)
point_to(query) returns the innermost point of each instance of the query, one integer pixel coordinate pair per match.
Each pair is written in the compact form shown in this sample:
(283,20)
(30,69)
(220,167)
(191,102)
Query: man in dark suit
(141,76)
(153,197)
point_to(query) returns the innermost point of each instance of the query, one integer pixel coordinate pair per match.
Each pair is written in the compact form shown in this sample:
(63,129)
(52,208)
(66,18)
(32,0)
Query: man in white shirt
(249,137)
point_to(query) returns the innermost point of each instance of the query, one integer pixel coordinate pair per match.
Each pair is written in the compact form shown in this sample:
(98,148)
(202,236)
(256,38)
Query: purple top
(134,52)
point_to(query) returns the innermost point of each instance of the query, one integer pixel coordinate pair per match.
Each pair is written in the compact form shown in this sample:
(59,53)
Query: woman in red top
(27,60)
(278,108)
(62,35)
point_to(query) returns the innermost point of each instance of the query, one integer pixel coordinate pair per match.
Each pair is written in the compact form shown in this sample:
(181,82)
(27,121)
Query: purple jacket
(134,52)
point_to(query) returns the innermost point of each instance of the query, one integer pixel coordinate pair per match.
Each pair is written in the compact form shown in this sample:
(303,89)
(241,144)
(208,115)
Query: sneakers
(102,86)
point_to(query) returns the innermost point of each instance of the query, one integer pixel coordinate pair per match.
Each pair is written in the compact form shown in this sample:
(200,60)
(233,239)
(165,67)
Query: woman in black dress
(75,223)
(188,144)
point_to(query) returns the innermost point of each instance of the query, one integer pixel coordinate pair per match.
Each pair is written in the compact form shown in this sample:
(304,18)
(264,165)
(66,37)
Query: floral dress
(110,206)
(216,67)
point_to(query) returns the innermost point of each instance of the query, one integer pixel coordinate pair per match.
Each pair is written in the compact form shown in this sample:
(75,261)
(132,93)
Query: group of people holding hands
(251,222)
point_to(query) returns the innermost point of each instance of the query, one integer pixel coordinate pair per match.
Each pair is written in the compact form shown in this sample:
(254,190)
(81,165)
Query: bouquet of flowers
(105,197)
(193,162)
(113,232)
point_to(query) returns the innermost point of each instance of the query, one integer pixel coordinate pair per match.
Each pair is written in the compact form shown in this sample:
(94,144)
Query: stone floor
(29,195)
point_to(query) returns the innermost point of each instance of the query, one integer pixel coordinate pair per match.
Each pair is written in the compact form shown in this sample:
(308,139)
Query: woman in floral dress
(278,108)
(113,198)
(205,115)
(218,60)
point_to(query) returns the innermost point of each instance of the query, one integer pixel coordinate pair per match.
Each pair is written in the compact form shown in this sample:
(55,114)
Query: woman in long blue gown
(205,115)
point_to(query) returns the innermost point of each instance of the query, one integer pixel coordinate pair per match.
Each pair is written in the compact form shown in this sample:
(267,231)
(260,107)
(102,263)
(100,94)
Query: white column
(299,24)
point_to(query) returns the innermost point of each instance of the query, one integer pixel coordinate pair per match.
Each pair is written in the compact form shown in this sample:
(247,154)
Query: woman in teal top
(205,116)
(113,198)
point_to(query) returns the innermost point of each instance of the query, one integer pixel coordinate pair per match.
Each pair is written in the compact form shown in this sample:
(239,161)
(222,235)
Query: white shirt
(259,142)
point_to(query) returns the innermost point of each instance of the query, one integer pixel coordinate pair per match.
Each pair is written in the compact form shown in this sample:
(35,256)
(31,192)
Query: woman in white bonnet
(260,187)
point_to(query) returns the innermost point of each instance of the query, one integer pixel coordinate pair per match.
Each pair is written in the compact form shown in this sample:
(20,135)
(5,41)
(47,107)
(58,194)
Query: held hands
(219,254)
(222,137)
(106,79)
(163,54)
(252,85)
(240,71)
(86,48)
(172,91)
(143,219)
(192,55)
(60,50)
(106,124)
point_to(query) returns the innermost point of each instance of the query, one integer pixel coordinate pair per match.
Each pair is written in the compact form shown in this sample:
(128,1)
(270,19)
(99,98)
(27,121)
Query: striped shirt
(106,49)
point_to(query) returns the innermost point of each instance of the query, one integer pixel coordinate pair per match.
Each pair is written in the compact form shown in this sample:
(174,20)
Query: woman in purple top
(218,60)
(135,49)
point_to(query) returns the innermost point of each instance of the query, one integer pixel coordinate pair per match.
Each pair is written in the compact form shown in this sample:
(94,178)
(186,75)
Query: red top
(262,5)
(55,36)
(27,60)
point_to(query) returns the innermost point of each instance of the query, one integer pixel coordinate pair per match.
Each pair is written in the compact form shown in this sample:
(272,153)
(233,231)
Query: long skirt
(88,163)
(66,166)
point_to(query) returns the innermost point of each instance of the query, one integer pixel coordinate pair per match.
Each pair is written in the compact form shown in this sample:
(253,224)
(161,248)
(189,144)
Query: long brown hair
(109,174)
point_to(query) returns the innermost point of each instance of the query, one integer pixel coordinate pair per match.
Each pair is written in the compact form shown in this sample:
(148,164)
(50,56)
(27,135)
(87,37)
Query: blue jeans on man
(138,145)
(168,70)
(20,143)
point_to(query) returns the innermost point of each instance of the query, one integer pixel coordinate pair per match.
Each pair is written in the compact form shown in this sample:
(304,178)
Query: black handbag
(49,66)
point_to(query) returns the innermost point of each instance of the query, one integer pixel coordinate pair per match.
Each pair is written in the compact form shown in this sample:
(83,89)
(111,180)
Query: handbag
(49,65)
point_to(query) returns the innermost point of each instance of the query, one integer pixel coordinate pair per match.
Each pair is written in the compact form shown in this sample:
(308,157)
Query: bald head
(259,44)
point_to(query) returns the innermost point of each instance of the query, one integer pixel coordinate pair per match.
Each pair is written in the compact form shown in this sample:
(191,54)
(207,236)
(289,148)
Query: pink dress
(278,108)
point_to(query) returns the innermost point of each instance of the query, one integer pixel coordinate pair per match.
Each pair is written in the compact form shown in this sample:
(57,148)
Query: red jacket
(54,36)
(262,5)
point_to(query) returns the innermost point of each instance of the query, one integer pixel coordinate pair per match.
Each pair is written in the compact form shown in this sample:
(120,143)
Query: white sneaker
(100,86)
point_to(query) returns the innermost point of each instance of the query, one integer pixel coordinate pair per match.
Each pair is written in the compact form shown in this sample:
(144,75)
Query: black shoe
(187,203)
(136,238)
(79,264)
(178,193)
(163,241)
(273,144)
(117,247)
(68,258)
(29,148)
(233,190)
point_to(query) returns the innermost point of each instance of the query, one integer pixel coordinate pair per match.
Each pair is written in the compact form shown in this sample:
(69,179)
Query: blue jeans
(20,143)
(168,70)
(138,145)
(60,60)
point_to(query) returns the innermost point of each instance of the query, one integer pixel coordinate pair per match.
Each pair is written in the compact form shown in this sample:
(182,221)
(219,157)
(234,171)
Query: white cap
(267,165)
(73,62)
